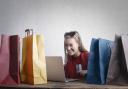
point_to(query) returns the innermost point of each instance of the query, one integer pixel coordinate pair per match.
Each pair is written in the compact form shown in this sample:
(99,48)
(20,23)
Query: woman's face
(71,46)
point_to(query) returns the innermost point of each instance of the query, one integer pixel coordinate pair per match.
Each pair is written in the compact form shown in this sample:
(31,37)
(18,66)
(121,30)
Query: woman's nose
(68,48)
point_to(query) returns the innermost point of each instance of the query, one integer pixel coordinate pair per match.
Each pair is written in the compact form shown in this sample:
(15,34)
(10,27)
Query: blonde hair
(76,36)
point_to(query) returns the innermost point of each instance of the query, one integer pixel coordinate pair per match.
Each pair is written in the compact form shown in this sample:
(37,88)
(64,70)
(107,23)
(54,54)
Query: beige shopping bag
(33,59)
(118,66)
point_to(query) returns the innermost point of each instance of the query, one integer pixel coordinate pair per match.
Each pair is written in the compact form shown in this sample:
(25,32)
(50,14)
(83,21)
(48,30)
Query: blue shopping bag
(100,52)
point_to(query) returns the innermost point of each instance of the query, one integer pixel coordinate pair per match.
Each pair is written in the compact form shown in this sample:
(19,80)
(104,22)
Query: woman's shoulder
(84,53)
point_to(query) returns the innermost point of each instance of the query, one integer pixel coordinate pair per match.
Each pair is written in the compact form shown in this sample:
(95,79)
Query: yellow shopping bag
(33,69)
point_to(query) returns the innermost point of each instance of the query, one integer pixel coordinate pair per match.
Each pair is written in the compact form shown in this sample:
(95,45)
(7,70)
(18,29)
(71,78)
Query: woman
(76,56)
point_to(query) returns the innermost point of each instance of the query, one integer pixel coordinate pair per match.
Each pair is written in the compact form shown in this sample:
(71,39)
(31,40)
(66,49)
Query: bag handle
(28,32)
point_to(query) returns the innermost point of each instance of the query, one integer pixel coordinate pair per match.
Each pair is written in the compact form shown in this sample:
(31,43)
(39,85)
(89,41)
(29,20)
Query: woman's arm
(83,72)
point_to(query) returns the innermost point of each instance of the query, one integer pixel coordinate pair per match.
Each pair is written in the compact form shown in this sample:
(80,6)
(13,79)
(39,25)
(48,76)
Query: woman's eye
(70,45)
(66,45)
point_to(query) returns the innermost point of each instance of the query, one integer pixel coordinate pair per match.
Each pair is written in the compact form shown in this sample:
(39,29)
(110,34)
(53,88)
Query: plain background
(91,18)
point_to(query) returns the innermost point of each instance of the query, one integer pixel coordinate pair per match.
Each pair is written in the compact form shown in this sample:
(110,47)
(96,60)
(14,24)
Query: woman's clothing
(70,67)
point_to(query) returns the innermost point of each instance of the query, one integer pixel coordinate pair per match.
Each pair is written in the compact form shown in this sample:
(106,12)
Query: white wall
(91,18)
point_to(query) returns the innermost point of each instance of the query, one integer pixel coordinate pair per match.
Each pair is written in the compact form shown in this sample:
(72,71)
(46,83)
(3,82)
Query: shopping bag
(118,67)
(9,59)
(33,60)
(98,62)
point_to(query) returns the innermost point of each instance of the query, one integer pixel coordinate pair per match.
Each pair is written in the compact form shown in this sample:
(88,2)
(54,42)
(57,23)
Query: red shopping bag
(9,59)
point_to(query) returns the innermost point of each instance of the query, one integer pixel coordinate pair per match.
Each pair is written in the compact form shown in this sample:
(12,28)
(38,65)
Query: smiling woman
(76,56)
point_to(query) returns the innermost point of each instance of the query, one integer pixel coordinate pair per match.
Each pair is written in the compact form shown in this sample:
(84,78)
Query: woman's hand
(83,72)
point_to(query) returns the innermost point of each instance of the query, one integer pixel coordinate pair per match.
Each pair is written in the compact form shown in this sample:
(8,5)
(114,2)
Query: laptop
(55,69)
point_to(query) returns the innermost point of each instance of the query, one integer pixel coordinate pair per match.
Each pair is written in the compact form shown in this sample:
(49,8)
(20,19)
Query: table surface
(62,85)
